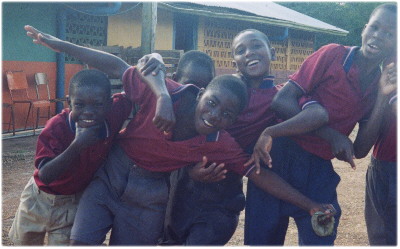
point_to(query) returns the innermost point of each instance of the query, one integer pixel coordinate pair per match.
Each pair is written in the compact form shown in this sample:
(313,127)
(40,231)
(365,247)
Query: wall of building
(125,29)
(20,53)
(215,38)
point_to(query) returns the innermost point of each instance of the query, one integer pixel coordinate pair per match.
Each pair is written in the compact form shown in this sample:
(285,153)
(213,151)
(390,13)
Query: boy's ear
(235,65)
(68,100)
(273,54)
(201,92)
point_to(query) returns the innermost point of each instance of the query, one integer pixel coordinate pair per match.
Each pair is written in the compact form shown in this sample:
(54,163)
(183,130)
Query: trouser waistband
(56,200)
(122,156)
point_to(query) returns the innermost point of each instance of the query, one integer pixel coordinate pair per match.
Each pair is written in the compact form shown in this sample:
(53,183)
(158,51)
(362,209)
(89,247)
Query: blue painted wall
(16,45)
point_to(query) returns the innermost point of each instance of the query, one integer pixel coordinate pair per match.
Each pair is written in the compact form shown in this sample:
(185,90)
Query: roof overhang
(214,11)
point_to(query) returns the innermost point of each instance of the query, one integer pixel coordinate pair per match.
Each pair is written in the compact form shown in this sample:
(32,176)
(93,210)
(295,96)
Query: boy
(344,80)
(381,180)
(194,67)
(194,215)
(130,192)
(207,213)
(70,149)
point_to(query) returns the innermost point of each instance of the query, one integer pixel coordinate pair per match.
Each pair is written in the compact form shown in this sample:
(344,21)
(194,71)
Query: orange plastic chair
(18,86)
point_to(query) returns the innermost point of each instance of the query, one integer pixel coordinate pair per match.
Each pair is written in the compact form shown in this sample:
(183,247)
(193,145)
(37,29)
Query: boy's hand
(164,118)
(342,149)
(86,137)
(42,38)
(212,173)
(327,209)
(261,152)
(323,220)
(151,63)
(388,80)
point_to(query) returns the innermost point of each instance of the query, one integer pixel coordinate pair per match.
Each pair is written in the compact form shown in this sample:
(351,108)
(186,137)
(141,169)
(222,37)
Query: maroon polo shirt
(385,148)
(151,149)
(59,133)
(256,116)
(330,77)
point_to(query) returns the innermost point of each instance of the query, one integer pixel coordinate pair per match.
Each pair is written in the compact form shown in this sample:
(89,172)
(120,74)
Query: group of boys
(125,175)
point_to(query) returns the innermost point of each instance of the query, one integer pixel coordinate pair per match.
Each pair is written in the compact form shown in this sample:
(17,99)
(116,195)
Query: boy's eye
(210,102)
(239,51)
(78,105)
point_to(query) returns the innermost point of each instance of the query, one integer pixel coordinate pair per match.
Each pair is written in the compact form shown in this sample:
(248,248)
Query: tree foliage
(350,16)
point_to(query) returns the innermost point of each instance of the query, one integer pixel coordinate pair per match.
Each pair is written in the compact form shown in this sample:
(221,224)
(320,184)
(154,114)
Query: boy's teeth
(208,124)
(252,62)
(87,121)
(373,46)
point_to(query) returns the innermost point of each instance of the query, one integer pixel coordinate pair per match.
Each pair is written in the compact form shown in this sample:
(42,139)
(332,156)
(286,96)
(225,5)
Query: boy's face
(89,105)
(251,54)
(216,109)
(198,76)
(379,36)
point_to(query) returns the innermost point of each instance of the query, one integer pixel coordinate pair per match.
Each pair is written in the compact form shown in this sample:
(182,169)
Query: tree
(350,16)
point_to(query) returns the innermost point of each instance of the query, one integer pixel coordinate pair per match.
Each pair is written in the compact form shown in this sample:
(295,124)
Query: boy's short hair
(263,35)
(196,58)
(234,85)
(387,6)
(88,78)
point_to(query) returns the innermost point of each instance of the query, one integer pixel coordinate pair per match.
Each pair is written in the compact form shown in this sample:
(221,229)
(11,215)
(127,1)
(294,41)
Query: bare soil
(17,168)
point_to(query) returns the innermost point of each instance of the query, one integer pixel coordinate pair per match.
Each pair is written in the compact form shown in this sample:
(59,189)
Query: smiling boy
(129,194)
(70,149)
(344,80)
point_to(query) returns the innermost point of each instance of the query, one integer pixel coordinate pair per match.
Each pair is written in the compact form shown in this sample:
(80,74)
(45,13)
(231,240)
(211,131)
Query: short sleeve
(120,110)
(314,68)
(133,85)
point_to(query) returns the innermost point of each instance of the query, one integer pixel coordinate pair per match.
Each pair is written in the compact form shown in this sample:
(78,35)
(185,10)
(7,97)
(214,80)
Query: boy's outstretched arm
(276,186)
(369,131)
(105,62)
(310,118)
(285,104)
(114,66)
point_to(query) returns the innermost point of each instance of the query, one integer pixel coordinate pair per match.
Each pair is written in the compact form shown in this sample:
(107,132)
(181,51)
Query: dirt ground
(17,168)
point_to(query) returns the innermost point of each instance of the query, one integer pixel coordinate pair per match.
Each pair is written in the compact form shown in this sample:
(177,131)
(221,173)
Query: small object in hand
(322,224)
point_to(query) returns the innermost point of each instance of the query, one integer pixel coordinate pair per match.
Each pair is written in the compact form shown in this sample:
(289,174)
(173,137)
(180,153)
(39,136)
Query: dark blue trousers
(381,203)
(267,217)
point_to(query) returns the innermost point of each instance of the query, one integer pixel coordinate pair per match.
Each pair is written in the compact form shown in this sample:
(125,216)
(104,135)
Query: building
(208,26)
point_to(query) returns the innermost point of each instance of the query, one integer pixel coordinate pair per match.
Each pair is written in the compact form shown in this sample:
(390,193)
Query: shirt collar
(268,82)
(213,137)
(103,133)
(349,59)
